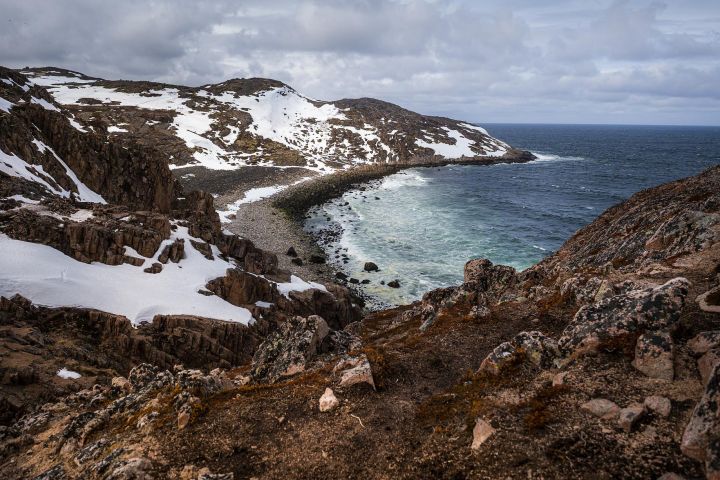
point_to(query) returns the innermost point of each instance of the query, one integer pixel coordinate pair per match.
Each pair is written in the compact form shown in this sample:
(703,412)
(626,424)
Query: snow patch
(5,105)
(68,374)
(48,277)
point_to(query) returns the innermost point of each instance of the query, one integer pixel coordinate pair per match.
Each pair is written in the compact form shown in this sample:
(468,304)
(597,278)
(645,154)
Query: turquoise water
(420,226)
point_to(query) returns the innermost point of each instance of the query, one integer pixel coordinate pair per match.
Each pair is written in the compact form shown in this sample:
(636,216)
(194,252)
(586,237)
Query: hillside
(256,121)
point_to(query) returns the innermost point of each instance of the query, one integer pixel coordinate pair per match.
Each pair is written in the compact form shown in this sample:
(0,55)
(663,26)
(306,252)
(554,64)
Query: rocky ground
(600,362)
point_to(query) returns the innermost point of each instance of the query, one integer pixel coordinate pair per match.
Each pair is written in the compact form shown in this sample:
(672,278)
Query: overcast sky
(564,61)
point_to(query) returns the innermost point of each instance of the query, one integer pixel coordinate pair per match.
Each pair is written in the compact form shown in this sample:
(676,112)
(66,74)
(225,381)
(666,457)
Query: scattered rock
(287,351)
(707,363)
(394,284)
(704,420)
(533,347)
(328,401)
(630,415)
(704,341)
(297,261)
(359,372)
(602,408)
(183,419)
(559,379)
(654,354)
(317,259)
(156,267)
(122,384)
(481,432)
(291,252)
(370,267)
(659,405)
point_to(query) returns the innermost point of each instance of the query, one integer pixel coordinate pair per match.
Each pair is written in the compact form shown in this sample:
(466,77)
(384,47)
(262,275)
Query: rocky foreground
(599,362)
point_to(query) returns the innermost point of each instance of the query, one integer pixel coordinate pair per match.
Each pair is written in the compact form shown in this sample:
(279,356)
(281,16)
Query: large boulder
(290,349)
(242,288)
(654,355)
(619,320)
(493,280)
(704,425)
(532,347)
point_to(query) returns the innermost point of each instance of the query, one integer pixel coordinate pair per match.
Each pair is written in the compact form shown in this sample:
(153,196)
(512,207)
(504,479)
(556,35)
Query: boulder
(533,347)
(707,363)
(704,420)
(394,284)
(619,320)
(291,252)
(658,405)
(704,341)
(654,355)
(493,280)
(602,408)
(242,288)
(630,415)
(370,267)
(156,267)
(289,350)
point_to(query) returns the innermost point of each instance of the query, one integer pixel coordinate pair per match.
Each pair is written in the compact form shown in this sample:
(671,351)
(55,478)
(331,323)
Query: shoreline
(277,222)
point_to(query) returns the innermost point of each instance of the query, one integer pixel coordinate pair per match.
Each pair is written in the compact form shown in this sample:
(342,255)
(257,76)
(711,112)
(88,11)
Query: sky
(517,61)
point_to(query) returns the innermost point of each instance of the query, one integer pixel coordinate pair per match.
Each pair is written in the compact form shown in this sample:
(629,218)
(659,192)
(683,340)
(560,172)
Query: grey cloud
(519,60)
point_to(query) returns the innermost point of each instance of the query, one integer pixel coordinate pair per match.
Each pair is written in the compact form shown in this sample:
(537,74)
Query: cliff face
(75,162)
(260,122)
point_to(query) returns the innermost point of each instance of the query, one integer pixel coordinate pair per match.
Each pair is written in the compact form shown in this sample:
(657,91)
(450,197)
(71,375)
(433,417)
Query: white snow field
(48,277)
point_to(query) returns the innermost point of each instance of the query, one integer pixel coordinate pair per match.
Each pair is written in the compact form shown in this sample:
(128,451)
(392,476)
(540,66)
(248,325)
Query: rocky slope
(599,362)
(256,121)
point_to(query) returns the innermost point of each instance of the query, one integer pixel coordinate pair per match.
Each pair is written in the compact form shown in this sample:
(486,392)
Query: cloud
(510,60)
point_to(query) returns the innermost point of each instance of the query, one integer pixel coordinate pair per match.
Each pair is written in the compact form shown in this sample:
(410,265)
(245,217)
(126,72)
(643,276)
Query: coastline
(277,222)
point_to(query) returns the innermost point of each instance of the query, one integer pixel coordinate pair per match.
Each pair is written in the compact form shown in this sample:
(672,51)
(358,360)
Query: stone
(704,341)
(493,280)
(328,401)
(291,252)
(630,415)
(359,372)
(654,355)
(316,259)
(297,261)
(370,267)
(602,408)
(659,405)
(394,284)
(532,347)
(137,468)
(122,384)
(616,321)
(156,267)
(704,419)
(706,364)
(183,419)
(288,350)
(481,432)
(559,379)
(710,300)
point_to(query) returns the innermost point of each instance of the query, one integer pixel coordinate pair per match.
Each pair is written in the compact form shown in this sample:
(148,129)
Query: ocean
(421,225)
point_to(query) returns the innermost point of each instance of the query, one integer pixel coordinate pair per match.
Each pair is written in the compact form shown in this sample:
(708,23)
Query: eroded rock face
(492,280)
(619,320)
(289,350)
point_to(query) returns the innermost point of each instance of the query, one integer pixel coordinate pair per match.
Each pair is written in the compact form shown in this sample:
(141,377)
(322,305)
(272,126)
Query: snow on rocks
(5,106)
(48,277)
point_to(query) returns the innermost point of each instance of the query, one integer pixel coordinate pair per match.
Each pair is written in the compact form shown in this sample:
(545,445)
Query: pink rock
(602,408)
(482,431)
(659,405)
(328,401)
(654,354)
(630,415)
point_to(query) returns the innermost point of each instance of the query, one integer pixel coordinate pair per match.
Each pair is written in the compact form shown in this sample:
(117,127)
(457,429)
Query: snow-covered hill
(260,122)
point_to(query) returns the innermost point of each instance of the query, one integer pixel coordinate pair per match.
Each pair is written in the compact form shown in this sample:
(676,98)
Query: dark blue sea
(421,225)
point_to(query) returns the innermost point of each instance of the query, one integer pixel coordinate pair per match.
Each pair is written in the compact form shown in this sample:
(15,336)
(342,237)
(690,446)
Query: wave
(551,157)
